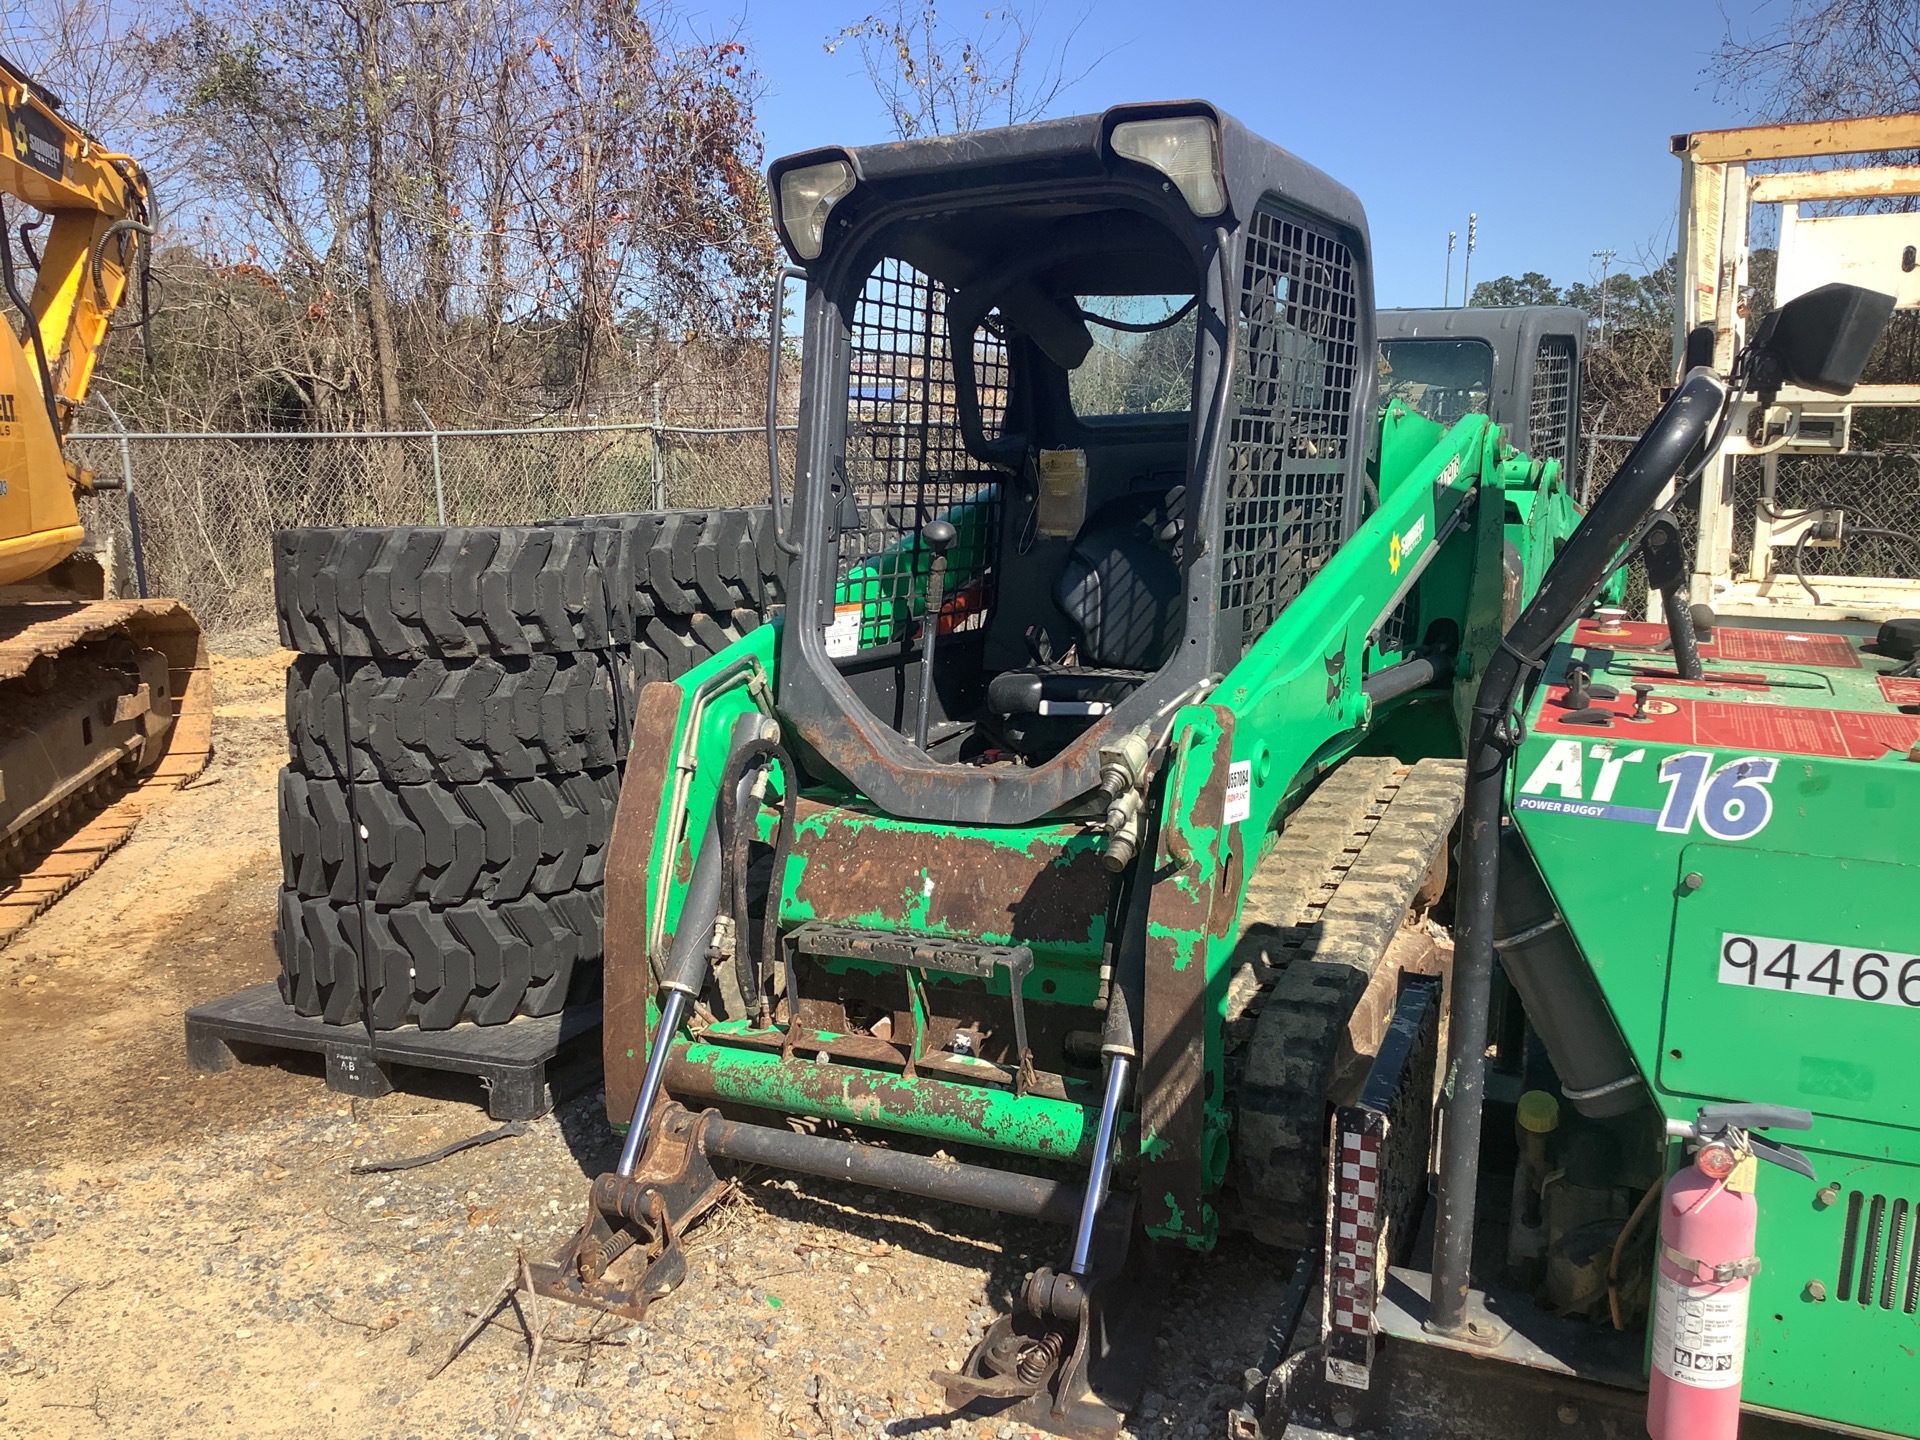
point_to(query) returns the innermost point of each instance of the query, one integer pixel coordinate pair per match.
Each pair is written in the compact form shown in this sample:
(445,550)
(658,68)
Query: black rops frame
(827,720)
(1514,333)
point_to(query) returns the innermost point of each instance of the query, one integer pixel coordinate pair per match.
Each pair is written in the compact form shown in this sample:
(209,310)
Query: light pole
(1466,271)
(1446,291)
(1605,257)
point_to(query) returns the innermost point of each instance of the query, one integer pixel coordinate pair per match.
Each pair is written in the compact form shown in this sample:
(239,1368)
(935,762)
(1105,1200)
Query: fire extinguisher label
(1699,1334)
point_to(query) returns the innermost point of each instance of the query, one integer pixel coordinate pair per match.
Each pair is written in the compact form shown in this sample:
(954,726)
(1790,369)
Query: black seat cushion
(1120,590)
(1120,587)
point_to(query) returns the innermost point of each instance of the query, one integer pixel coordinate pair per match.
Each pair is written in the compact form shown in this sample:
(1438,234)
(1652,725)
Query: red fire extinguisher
(1708,1257)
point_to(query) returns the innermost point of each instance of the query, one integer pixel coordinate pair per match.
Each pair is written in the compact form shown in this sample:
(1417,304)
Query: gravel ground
(250,1286)
(188,1254)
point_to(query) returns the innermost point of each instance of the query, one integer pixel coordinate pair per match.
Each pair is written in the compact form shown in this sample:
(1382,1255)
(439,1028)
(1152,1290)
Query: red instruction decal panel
(1900,690)
(1759,647)
(1730,725)
(1779,647)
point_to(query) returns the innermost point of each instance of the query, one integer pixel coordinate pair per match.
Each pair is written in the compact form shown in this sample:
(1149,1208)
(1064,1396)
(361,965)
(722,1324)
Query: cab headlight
(807,197)
(1185,149)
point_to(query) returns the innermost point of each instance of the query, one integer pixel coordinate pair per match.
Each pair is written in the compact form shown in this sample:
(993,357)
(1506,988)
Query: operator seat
(1120,590)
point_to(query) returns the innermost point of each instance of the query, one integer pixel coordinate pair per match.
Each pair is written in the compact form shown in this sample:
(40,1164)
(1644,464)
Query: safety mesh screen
(990,374)
(1550,412)
(1294,385)
(906,463)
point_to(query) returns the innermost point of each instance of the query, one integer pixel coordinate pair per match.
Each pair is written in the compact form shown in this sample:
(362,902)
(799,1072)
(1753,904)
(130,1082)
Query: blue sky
(1550,118)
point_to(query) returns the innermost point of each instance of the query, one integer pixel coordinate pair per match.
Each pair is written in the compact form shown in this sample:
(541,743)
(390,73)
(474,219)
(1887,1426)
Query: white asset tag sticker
(1809,967)
(1239,791)
(843,633)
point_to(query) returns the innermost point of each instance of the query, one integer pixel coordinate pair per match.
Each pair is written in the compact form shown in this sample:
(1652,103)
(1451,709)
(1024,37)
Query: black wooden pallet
(517,1063)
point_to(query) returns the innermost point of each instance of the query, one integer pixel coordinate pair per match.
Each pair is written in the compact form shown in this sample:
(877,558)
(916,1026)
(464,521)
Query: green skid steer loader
(1087,813)
(1083,810)
(1520,365)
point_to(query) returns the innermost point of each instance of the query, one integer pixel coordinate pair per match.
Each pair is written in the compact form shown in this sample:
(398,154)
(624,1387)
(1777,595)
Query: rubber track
(48,628)
(436,966)
(488,840)
(1320,912)
(459,722)
(402,592)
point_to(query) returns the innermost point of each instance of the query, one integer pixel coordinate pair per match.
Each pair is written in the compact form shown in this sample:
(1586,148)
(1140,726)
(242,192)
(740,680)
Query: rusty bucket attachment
(628,1253)
(1073,1356)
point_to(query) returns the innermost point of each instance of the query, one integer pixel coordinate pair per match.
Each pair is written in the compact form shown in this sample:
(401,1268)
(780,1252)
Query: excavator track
(93,804)
(1334,915)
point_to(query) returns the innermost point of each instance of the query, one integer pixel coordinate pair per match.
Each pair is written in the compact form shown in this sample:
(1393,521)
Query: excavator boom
(104,704)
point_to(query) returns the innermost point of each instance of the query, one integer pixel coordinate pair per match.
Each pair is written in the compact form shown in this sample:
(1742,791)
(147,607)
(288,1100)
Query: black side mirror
(1818,341)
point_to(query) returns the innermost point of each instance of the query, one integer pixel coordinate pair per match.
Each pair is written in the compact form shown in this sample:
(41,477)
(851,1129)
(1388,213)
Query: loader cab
(1024,334)
(1519,365)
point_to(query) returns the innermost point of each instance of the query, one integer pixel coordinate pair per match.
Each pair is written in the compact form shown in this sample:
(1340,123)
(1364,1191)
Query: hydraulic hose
(1800,549)
(32,321)
(1589,556)
(1678,604)
(736,836)
(687,955)
(117,228)
(735,839)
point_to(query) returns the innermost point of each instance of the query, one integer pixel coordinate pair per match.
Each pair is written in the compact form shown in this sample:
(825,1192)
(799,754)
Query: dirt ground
(188,1254)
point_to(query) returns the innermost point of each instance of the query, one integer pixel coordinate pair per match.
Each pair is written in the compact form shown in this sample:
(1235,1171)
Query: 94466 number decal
(1805,967)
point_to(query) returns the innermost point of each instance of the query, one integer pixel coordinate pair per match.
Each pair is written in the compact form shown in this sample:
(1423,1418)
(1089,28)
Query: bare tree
(938,79)
(1824,59)
(86,51)
(473,202)
(1836,59)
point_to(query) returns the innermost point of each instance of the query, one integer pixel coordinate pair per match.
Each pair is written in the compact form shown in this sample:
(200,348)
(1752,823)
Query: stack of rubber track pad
(457,719)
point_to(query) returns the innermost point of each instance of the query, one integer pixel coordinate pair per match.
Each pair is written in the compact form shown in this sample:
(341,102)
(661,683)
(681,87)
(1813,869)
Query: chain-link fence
(208,504)
(1600,457)
(1879,490)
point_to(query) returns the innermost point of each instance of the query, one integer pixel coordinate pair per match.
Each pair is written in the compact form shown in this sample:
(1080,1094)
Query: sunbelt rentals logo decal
(1400,549)
(37,141)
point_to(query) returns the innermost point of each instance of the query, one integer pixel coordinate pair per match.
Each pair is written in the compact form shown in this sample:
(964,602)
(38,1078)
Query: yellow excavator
(105,704)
